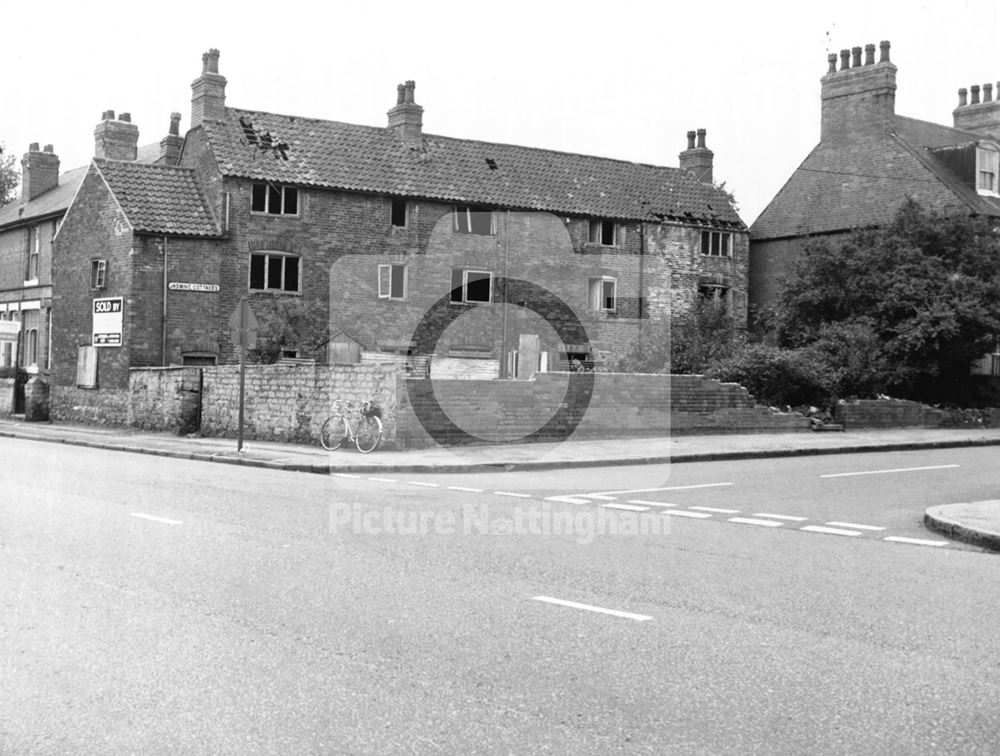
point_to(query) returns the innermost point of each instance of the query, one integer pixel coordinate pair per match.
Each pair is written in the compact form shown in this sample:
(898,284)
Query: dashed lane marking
(669,488)
(650,503)
(830,531)
(716,510)
(752,521)
(154,518)
(625,507)
(569,499)
(883,472)
(463,488)
(384,480)
(421,483)
(683,513)
(590,608)
(855,525)
(790,518)
(345,475)
(915,541)
(513,493)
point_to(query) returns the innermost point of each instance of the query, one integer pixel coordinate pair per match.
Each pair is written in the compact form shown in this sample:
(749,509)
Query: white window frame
(466,211)
(386,273)
(597,293)
(595,232)
(34,255)
(465,286)
(988,170)
(267,255)
(31,325)
(98,273)
(725,240)
(267,199)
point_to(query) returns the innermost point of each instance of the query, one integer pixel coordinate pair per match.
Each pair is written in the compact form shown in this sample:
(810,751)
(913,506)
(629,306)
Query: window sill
(987,193)
(31,282)
(258,292)
(261,214)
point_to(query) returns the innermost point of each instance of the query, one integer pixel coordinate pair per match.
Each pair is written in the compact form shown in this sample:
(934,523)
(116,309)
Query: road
(157,606)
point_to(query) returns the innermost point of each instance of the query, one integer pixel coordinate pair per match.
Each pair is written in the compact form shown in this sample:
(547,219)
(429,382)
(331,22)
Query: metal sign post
(243,325)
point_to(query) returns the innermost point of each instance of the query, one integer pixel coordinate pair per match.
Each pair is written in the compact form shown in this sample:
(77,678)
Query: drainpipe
(642,256)
(163,329)
(504,372)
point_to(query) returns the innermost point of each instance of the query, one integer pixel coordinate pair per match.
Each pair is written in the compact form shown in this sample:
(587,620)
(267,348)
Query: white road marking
(154,518)
(670,488)
(717,510)
(463,488)
(855,525)
(345,475)
(790,518)
(384,480)
(883,472)
(420,483)
(916,541)
(682,513)
(650,503)
(752,521)
(625,507)
(830,531)
(568,499)
(513,493)
(590,608)
(598,496)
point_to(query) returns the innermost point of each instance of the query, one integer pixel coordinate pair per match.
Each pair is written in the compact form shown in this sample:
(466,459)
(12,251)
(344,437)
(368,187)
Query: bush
(8,372)
(777,376)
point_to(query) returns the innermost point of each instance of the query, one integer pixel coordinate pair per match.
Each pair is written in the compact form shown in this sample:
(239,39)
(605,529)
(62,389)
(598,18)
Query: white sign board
(108,322)
(9,330)
(180,286)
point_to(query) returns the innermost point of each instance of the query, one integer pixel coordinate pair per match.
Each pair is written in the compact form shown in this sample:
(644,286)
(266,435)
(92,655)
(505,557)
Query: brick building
(403,243)
(869,160)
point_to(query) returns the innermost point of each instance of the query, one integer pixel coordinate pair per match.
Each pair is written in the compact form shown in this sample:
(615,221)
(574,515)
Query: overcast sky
(618,79)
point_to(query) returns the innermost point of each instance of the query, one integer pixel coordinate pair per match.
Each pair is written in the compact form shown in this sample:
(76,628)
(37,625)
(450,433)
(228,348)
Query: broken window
(603,294)
(392,281)
(471,286)
(397,212)
(274,271)
(475,220)
(98,273)
(717,243)
(717,294)
(274,200)
(603,232)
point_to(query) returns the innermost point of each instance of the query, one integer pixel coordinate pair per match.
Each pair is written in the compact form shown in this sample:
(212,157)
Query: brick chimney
(860,97)
(171,144)
(208,91)
(116,139)
(39,171)
(697,158)
(406,118)
(982,115)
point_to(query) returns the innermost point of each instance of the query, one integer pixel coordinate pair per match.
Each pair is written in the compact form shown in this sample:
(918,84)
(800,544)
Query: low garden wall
(6,396)
(902,413)
(89,406)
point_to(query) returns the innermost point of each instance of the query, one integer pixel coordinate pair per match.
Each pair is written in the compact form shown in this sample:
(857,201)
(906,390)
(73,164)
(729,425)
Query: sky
(625,80)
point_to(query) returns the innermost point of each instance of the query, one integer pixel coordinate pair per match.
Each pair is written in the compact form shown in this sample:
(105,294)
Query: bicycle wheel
(369,434)
(333,432)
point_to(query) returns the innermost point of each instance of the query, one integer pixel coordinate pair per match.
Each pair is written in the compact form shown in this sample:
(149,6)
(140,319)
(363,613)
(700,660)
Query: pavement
(973,522)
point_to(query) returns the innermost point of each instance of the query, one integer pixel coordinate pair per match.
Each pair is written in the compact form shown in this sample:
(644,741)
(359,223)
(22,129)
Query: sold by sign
(107,330)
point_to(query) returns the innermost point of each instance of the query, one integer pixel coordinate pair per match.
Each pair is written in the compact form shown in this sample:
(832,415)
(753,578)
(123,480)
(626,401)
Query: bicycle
(366,434)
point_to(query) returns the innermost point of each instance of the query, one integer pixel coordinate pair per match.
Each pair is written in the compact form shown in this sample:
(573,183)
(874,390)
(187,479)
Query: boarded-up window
(86,367)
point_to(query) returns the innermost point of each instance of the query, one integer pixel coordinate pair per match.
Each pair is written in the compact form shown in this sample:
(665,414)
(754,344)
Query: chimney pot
(691,135)
(48,148)
(987,93)
(832,60)
(975,94)
(208,91)
(125,117)
(856,57)
(400,94)
(845,60)
(33,147)
(175,124)
(962,97)
(869,54)
(108,115)
(884,47)
(701,139)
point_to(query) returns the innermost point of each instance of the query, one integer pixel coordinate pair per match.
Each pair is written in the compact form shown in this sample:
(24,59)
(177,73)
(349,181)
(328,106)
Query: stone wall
(6,396)
(89,406)
(164,398)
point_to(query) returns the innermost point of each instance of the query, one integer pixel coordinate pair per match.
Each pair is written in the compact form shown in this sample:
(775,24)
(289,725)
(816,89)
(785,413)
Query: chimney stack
(116,139)
(171,144)
(859,98)
(697,158)
(208,91)
(39,171)
(973,114)
(406,118)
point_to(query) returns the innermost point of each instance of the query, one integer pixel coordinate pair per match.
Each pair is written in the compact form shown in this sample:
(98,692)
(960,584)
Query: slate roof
(861,183)
(160,199)
(351,157)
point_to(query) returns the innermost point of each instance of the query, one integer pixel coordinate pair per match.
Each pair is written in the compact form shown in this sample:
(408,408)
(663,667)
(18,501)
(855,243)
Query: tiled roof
(159,199)
(58,198)
(368,159)
(841,186)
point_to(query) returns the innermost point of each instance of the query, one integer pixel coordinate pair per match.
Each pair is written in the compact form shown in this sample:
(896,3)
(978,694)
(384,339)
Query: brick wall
(900,413)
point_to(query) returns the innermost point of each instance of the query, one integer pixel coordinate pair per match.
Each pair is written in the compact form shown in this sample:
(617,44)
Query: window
(987,169)
(603,232)
(34,246)
(716,293)
(392,281)
(397,213)
(717,243)
(475,220)
(30,338)
(275,200)
(603,294)
(274,271)
(98,273)
(471,286)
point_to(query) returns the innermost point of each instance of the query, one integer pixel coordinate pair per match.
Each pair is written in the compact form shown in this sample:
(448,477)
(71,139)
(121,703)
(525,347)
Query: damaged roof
(350,157)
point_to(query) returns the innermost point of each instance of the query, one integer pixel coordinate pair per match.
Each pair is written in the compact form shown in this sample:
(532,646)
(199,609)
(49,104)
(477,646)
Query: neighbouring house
(471,257)
(869,160)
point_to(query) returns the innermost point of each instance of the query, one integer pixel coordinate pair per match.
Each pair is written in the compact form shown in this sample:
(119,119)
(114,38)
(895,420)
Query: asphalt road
(160,606)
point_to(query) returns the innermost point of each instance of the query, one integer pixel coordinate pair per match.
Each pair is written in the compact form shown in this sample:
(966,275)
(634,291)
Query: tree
(286,324)
(920,298)
(10,179)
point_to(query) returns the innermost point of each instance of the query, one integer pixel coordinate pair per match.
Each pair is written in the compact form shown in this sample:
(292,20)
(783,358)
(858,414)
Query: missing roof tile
(491,163)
